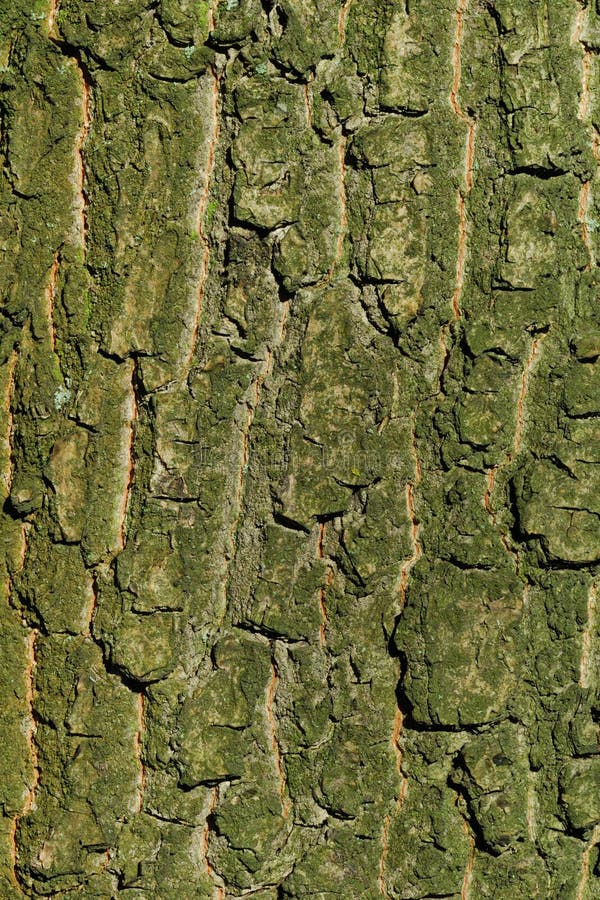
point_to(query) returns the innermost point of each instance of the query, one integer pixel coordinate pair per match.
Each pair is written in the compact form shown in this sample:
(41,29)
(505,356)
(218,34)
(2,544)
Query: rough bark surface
(300,449)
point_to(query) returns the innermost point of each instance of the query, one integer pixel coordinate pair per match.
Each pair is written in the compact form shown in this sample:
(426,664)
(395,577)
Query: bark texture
(300,449)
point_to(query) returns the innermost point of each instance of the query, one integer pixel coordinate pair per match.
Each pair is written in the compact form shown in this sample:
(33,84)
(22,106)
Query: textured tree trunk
(300,449)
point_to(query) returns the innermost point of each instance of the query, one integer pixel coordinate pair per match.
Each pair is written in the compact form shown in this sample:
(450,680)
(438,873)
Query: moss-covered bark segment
(300,511)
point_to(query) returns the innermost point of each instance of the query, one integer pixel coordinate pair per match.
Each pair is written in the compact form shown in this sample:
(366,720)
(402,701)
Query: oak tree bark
(299,448)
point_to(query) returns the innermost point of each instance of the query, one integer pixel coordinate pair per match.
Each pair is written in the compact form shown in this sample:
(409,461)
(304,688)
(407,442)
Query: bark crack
(522,397)
(139,750)
(384,852)
(219,891)
(308,104)
(237,503)
(493,472)
(531,807)
(132,416)
(586,663)
(414,523)
(14,852)
(342,22)
(50,300)
(398,718)
(469,159)
(465,890)
(395,741)
(343,226)
(29,804)
(82,200)
(489,490)
(202,208)
(275,745)
(80,176)
(52,13)
(585,863)
(323,589)
(582,218)
(586,63)
(10,419)
(93,607)
(583,114)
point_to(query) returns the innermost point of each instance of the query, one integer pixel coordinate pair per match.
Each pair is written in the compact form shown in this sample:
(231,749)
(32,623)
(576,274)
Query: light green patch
(211,208)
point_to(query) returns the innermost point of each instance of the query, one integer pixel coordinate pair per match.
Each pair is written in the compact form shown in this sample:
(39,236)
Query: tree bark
(300,494)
